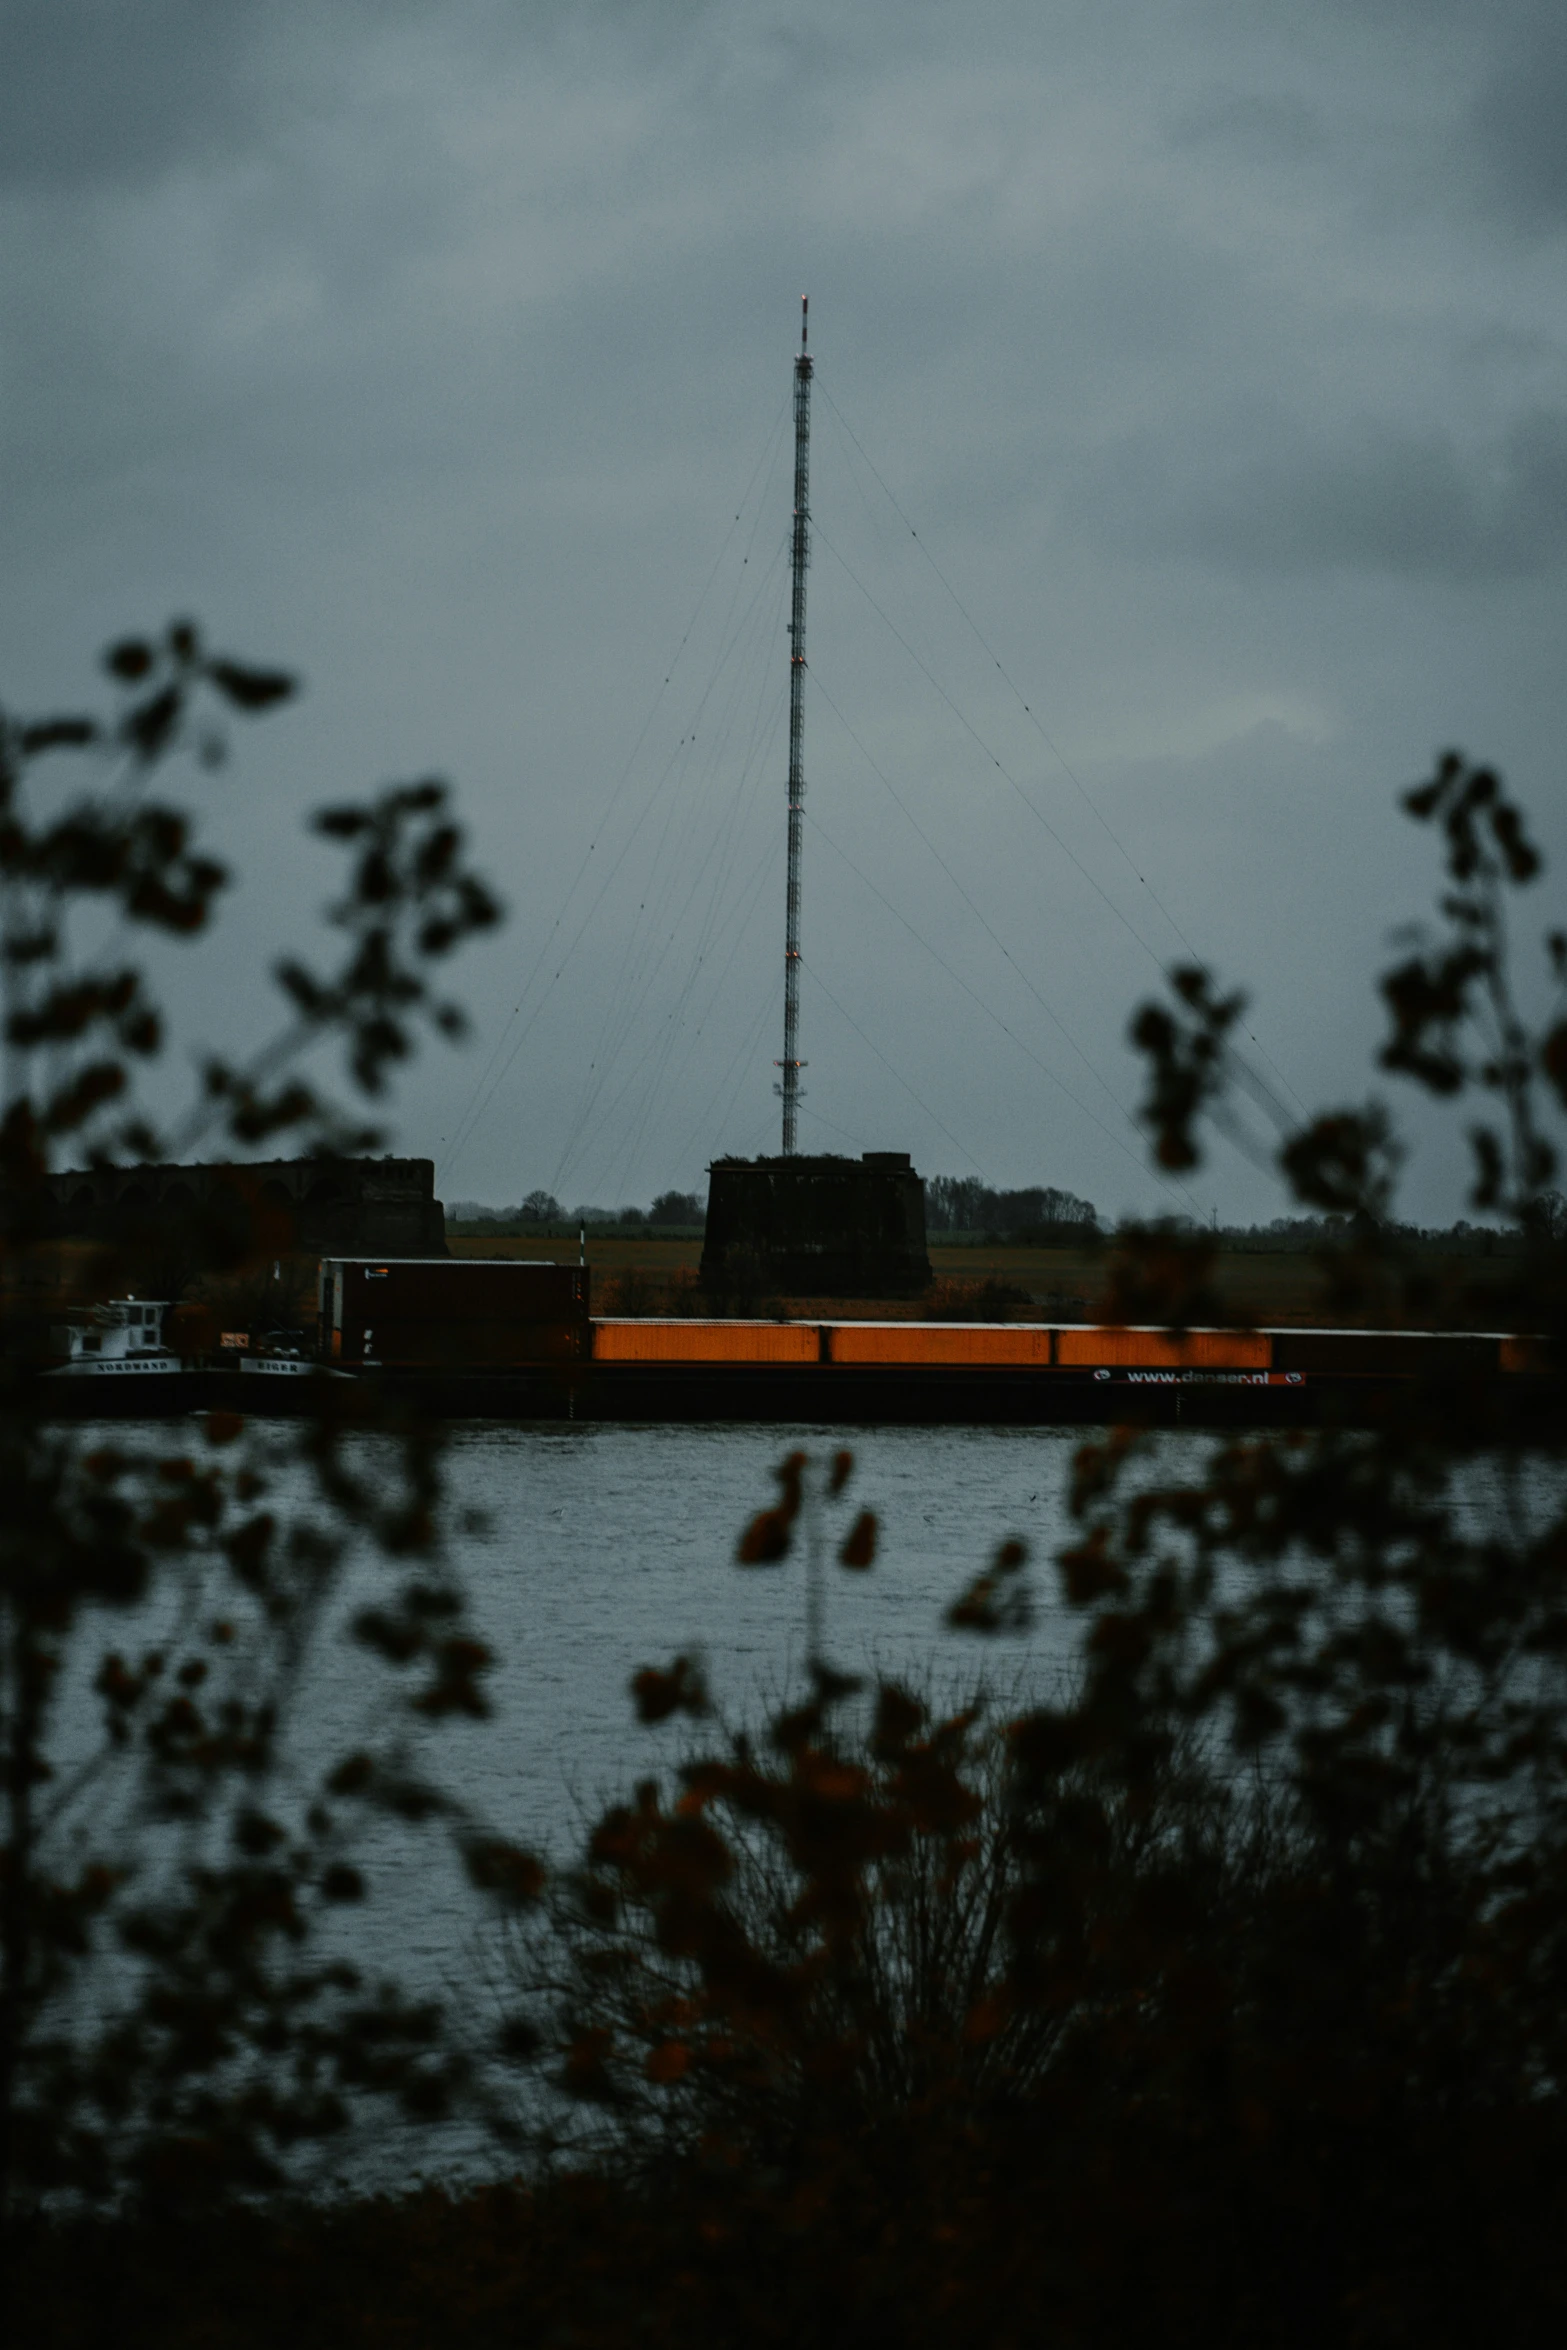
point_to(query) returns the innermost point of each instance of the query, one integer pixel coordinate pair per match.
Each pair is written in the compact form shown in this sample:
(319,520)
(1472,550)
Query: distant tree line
(953,1203)
(1333,1232)
(1039,1214)
(541,1211)
(961,1203)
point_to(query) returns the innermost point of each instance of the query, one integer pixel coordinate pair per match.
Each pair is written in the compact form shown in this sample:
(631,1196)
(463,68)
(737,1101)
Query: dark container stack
(451,1313)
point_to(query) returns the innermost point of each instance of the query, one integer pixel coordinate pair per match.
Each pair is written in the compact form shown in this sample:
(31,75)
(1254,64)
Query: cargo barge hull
(868,1374)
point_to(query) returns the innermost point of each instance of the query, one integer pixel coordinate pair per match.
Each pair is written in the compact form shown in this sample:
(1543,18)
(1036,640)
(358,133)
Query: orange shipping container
(705,1342)
(940,1342)
(1199,1350)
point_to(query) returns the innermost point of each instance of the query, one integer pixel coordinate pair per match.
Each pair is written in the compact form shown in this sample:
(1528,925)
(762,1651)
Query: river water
(587,1552)
(607,1548)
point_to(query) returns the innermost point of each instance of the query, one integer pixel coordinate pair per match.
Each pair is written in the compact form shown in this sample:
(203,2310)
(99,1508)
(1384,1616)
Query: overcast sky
(1216,352)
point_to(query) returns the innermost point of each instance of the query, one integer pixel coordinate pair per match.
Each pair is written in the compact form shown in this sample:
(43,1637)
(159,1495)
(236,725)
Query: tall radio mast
(800,553)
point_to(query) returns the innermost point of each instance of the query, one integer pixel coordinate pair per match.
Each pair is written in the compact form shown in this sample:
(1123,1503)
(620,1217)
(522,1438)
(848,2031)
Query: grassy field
(648,1273)
(654,1275)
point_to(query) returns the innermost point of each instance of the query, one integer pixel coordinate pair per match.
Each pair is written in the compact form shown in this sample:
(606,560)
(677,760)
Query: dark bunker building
(816,1227)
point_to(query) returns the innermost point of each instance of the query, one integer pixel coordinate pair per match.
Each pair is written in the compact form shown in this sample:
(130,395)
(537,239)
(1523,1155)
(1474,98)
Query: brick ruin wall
(337,1207)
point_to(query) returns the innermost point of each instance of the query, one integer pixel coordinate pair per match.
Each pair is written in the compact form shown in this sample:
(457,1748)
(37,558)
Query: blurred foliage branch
(182,2016)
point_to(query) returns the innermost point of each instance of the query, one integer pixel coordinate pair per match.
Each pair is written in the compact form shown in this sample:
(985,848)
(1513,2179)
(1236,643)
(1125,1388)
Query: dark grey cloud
(1519,125)
(1269,126)
(94,92)
(1381,498)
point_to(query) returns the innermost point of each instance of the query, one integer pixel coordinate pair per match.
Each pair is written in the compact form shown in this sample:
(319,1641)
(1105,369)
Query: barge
(471,1338)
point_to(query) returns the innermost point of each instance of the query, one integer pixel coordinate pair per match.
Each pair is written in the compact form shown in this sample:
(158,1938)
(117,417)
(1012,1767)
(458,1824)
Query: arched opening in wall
(126,1216)
(327,1218)
(280,1226)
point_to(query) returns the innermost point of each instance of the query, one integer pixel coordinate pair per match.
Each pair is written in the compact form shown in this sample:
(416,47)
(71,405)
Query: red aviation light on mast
(799,558)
